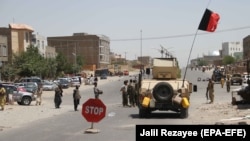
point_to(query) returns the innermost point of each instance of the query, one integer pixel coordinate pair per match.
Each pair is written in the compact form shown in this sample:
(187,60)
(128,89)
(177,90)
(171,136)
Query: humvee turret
(164,90)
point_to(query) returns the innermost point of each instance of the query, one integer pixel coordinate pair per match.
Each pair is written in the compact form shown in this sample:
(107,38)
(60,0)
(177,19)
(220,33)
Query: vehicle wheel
(184,113)
(26,101)
(163,92)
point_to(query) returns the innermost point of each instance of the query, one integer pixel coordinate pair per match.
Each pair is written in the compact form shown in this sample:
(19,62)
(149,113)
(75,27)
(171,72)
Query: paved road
(119,124)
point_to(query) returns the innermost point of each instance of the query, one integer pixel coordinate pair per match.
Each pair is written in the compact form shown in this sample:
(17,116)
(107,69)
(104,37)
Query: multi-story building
(39,42)
(3,49)
(94,49)
(19,37)
(50,52)
(246,47)
(234,49)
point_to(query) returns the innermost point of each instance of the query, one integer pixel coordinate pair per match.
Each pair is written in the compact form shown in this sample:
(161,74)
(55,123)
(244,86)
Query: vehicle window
(14,88)
(236,75)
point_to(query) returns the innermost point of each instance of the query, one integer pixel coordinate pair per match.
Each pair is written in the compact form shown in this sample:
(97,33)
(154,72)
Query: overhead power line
(182,35)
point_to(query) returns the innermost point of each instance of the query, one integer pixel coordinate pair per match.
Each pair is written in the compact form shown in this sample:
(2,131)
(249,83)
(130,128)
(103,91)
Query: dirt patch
(221,113)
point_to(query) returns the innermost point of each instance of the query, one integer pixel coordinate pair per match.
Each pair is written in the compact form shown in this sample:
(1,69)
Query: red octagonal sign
(93,110)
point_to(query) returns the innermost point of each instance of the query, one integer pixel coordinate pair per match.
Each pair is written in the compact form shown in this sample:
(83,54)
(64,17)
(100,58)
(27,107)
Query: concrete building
(246,47)
(94,49)
(39,41)
(234,49)
(19,37)
(50,52)
(3,49)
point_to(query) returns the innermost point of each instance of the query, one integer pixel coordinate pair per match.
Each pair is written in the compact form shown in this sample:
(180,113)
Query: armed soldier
(210,89)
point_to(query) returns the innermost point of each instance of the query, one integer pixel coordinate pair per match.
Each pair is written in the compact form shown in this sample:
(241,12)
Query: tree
(228,60)
(29,63)
(80,63)
(62,65)
(8,72)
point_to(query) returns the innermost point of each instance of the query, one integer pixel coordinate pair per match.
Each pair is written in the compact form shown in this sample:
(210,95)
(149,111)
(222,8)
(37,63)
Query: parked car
(125,72)
(49,86)
(21,97)
(236,78)
(75,82)
(29,86)
(36,79)
(64,83)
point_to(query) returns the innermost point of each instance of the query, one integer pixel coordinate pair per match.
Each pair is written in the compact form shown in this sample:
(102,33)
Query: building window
(3,50)
(38,43)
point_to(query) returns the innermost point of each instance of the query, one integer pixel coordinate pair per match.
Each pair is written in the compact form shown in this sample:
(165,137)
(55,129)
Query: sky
(136,27)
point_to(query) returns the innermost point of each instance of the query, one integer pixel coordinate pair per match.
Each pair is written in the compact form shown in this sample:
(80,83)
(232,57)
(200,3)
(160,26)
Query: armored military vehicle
(164,91)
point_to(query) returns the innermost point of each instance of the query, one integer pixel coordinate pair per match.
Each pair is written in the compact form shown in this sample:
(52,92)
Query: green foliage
(228,60)
(202,62)
(31,63)
(8,72)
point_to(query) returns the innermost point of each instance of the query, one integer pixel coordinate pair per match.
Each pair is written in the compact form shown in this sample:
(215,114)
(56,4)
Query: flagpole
(191,51)
(208,3)
(189,57)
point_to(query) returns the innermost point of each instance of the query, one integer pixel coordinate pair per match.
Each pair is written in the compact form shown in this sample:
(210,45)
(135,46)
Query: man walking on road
(210,89)
(76,97)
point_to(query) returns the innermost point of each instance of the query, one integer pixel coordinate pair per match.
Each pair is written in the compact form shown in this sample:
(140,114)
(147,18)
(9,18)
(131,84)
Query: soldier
(124,93)
(210,89)
(228,83)
(39,95)
(131,93)
(2,97)
(222,81)
(136,92)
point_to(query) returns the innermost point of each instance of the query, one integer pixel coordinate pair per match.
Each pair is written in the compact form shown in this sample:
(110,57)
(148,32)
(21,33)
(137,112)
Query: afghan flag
(209,21)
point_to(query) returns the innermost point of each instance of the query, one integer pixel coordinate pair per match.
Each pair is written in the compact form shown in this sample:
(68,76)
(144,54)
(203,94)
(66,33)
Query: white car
(75,82)
(49,86)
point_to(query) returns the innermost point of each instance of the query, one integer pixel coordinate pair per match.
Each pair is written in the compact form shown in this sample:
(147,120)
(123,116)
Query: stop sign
(93,110)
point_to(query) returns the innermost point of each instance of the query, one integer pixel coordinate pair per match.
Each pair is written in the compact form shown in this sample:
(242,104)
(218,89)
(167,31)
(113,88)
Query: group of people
(228,83)
(210,87)
(76,95)
(129,93)
(6,99)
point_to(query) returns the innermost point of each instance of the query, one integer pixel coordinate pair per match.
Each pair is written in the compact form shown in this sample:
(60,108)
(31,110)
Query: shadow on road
(157,115)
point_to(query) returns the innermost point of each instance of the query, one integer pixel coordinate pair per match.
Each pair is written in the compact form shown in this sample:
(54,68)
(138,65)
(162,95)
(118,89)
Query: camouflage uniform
(2,97)
(210,88)
(124,94)
(131,93)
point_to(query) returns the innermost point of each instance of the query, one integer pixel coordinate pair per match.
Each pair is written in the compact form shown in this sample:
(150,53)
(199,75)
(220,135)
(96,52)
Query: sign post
(93,110)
